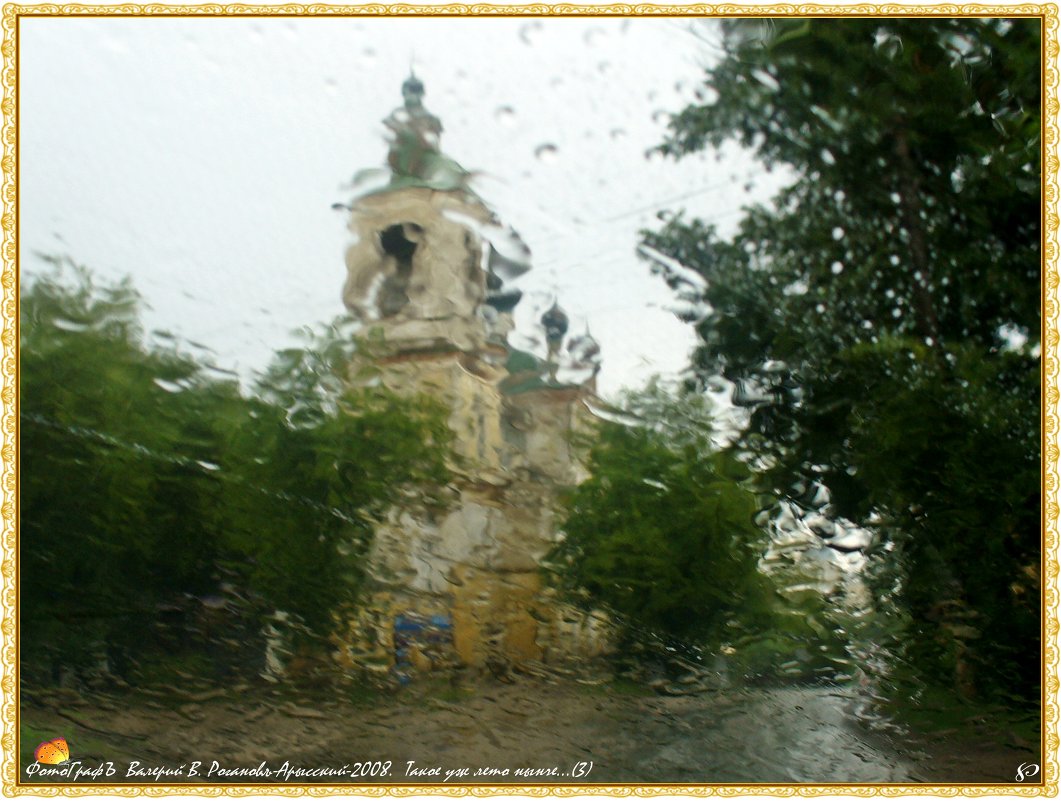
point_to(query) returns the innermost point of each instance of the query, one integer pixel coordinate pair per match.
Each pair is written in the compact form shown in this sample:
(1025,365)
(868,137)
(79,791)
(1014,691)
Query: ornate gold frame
(1051,367)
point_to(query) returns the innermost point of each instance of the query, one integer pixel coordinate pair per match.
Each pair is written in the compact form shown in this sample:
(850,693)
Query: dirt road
(530,731)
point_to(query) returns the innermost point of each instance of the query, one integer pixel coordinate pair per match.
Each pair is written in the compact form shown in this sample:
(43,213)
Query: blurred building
(431,275)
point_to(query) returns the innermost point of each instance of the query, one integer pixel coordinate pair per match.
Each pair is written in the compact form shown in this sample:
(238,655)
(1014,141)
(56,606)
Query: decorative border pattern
(1051,370)
(1048,12)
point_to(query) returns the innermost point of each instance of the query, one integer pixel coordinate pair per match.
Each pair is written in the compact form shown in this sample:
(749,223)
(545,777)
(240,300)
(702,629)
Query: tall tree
(668,536)
(663,530)
(881,319)
(166,515)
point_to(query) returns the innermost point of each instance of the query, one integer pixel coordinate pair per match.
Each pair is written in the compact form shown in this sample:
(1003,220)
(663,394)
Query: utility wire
(94,435)
(664,201)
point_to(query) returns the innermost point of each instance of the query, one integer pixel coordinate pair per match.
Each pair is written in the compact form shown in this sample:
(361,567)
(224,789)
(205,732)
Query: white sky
(201,157)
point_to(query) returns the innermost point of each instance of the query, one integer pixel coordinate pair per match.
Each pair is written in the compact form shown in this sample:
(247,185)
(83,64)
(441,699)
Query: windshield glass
(534,400)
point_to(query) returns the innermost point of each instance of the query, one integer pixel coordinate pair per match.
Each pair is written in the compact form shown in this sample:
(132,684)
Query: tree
(111,523)
(881,320)
(663,531)
(669,536)
(166,515)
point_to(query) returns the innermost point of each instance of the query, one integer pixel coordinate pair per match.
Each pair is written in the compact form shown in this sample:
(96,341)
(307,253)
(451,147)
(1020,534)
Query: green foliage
(881,321)
(161,508)
(667,535)
(662,532)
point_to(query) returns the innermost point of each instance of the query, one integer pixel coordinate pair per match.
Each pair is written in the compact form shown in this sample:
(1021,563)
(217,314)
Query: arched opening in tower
(398,242)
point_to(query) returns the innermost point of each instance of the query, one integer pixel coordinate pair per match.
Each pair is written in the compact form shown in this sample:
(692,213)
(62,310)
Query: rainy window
(529,400)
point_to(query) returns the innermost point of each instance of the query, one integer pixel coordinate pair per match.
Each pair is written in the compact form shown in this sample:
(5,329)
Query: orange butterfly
(52,752)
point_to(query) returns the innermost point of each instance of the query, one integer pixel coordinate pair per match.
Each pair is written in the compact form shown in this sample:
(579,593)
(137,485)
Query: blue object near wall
(431,635)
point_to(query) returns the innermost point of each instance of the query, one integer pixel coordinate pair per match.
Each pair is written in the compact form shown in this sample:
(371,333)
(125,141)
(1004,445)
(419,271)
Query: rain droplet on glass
(546,152)
(592,36)
(506,115)
(528,33)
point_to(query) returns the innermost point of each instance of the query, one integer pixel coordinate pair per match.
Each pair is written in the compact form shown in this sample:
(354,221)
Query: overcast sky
(201,157)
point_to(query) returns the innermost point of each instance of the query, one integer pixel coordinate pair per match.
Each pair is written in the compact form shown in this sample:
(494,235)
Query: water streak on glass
(462,415)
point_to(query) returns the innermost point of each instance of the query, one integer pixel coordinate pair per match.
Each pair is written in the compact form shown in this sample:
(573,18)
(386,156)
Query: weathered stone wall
(461,587)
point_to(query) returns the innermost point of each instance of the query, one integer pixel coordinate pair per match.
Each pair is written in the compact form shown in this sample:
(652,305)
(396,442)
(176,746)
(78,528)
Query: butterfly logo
(52,752)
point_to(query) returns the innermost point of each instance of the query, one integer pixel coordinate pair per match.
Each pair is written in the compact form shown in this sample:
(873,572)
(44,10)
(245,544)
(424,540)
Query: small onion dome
(412,88)
(555,323)
(504,300)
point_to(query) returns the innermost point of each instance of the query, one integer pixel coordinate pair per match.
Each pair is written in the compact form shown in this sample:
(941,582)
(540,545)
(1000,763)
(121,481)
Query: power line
(665,201)
(94,435)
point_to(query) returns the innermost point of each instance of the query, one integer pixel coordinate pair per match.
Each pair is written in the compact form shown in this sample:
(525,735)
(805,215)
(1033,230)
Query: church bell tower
(431,276)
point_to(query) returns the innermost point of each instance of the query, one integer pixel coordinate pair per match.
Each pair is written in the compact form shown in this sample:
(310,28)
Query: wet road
(798,734)
(775,735)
